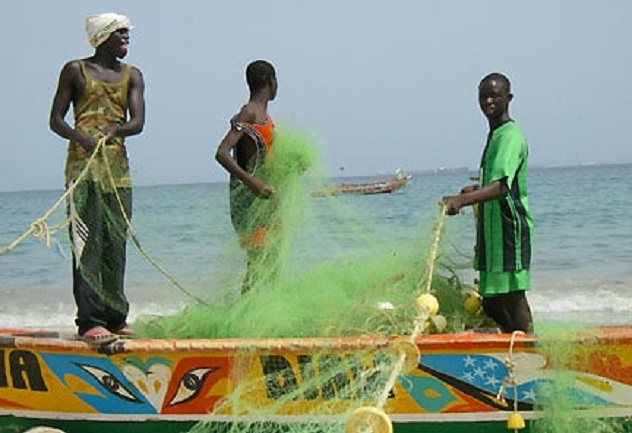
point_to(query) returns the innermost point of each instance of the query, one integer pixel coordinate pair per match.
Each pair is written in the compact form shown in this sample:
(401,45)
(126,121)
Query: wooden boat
(466,382)
(379,187)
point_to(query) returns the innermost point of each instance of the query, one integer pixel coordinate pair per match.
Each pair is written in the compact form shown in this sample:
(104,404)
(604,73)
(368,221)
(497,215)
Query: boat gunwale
(48,340)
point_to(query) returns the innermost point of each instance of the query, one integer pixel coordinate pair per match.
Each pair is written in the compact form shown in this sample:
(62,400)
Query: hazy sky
(379,84)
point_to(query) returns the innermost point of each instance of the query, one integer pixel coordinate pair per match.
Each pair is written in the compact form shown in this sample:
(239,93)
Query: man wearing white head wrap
(108,102)
(100,27)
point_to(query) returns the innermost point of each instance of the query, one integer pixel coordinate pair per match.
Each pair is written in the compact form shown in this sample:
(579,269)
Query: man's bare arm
(66,93)
(485,193)
(226,160)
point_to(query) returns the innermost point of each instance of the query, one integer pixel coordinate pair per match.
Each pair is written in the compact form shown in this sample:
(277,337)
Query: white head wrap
(100,27)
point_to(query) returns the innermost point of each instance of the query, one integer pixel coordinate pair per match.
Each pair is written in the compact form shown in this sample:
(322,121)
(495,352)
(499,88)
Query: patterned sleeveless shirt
(252,224)
(101,104)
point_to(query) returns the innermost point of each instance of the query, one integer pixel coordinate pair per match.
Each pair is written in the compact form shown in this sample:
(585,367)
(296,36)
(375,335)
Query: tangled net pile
(360,285)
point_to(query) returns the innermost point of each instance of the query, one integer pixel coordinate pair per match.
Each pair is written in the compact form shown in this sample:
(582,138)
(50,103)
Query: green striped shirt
(504,228)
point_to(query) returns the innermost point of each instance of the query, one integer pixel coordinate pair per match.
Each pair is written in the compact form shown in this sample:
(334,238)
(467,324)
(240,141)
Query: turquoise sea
(582,269)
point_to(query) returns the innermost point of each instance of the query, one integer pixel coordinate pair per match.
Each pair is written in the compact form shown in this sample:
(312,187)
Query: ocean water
(582,267)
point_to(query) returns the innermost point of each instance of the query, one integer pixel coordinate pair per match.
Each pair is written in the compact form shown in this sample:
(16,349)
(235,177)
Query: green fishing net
(358,283)
(569,349)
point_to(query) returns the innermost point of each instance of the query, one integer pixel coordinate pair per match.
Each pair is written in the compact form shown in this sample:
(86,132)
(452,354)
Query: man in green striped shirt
(504,235)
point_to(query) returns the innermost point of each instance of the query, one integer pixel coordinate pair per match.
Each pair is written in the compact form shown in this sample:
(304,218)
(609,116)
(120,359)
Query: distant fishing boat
(379,187)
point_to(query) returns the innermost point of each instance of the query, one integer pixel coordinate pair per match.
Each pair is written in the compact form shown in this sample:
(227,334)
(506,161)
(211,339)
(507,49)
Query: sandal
(98,336)
(125,332)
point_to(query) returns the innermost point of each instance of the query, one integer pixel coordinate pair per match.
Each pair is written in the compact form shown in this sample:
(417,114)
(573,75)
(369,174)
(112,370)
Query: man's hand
(110,131)
(262,189)
(453,204)
(88,142)
(469,189)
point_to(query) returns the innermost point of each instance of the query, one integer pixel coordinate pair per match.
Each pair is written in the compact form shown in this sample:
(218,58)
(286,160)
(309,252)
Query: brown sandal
(125,332)
(98,336)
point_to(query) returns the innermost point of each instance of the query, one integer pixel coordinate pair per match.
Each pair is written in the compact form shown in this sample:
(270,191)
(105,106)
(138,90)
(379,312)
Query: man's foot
(125,332)
(98,336)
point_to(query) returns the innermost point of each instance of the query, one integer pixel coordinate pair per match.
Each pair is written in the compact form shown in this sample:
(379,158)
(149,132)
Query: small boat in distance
(379,187)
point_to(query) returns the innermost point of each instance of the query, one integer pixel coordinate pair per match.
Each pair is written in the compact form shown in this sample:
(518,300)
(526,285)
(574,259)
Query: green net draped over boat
(570,350)
(325,270)
(358,281)
(330,270)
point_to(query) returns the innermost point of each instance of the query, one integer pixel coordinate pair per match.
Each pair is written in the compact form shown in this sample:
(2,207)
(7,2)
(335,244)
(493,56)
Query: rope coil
(39,229)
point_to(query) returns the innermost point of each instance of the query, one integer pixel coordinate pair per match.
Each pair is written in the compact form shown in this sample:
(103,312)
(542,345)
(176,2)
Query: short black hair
(497,76)
(258,74)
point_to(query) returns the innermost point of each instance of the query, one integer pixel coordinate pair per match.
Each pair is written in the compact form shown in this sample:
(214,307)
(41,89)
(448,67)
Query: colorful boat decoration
(466,382)
(379,187)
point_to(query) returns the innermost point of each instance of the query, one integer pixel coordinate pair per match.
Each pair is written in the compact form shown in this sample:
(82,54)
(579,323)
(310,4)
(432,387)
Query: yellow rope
(374,419)
(434,248)
(510,364)
(39,227)
(515,421)
(136,241)
(422,315)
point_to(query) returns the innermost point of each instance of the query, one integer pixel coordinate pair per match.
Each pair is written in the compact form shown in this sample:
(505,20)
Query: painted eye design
(109,382)
(190,385)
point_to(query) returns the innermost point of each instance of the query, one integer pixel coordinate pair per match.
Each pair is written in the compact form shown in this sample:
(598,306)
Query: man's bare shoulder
(247,114)
(72,66)
(136,76)
(71,71)
(132,68)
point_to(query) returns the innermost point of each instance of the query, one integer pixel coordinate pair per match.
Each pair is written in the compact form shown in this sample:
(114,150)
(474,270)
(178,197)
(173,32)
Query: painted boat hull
(51,379)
